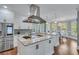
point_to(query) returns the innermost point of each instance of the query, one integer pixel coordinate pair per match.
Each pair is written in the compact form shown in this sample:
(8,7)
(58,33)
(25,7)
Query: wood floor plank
(9,52)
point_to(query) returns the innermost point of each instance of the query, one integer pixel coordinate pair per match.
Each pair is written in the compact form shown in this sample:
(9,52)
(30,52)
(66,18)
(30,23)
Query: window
(74,28)
(53,26)
(63,27)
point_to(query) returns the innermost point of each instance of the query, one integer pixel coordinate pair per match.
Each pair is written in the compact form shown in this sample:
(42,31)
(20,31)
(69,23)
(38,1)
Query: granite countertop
(34,39)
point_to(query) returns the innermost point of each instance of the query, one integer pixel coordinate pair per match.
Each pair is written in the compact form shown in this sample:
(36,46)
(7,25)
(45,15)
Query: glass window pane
(53,27)
(74,28)
(64,27)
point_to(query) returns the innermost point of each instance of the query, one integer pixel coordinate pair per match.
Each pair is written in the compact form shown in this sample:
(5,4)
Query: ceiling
(49,12)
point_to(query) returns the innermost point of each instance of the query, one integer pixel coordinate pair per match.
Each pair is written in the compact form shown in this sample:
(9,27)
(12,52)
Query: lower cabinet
(35,49)
(25,50)
(55,40)
(1,46)
(6,44)
(41,48)
(47,47)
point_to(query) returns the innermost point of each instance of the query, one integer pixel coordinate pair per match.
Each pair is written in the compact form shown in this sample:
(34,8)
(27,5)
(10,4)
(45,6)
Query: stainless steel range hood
(34,19)
(34,15)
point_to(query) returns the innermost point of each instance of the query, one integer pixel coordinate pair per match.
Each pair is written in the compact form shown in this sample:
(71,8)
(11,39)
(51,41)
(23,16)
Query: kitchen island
(37,45)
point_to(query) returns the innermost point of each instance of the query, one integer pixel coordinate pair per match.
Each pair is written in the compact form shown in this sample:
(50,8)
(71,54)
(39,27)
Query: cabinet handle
(49,41)
(37,46)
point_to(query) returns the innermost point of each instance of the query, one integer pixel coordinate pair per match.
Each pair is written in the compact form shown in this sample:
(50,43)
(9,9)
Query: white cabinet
(51,45)
(35,49)
(7,45)
(40,48)
(26,50)
(56,40)
(1,45)
(29,50)
(15,40)
(47,47)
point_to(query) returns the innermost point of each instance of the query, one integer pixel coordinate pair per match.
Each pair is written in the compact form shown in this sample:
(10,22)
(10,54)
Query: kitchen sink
(26,37)
(40,35)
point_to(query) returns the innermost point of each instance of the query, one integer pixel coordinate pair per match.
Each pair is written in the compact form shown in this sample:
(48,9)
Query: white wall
(7,15)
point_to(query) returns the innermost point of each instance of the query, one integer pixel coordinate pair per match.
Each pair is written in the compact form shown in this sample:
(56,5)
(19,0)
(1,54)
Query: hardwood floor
(12,51)
(67,46)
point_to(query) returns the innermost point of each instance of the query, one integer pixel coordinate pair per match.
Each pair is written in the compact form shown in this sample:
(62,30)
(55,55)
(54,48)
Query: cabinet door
(40,50)
(35,49)
(26,50)
(1,45)
(56,40)
(15,41)
(47,47)
(7,45)
(51,45)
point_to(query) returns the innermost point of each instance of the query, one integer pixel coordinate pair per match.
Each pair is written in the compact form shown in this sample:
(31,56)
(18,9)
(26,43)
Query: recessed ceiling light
(4,6)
